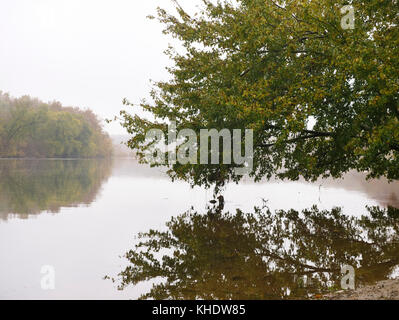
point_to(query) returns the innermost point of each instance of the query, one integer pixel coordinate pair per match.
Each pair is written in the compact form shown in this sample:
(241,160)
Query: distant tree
(321,99)
(31,128)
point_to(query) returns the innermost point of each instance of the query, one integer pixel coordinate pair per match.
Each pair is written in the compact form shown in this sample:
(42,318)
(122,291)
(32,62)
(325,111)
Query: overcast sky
(84,53)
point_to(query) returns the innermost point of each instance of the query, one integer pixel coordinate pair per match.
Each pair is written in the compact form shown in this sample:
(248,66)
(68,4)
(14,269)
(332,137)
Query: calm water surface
(81,216)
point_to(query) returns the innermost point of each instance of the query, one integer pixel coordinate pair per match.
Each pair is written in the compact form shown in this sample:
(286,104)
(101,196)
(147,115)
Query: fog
(89,54)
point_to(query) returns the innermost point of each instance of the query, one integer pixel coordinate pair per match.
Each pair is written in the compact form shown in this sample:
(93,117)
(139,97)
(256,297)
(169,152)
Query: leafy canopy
(321,100)
(32,128)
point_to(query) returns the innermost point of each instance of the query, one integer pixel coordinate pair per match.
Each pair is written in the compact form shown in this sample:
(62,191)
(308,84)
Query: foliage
(274,67)
(263,255)
(31,128)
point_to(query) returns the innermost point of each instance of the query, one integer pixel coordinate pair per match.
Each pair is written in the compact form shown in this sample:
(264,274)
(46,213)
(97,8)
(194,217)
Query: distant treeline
(32,128)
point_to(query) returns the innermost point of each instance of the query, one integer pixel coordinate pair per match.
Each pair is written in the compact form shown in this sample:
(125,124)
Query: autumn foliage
(32,128)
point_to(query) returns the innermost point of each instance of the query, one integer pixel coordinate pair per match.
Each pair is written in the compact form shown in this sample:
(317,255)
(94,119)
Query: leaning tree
(321,99)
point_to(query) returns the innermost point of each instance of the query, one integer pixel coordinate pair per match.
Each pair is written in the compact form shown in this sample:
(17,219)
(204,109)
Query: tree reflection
(33,186)
(262,255)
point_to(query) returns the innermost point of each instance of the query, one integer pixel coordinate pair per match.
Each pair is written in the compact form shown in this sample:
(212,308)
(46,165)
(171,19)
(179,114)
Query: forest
(32,128)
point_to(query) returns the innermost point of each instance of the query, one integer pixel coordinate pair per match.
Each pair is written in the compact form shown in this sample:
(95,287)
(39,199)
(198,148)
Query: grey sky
(85,53)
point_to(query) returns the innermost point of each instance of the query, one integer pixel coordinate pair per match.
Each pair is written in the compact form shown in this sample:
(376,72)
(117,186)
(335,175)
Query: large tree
(321,99)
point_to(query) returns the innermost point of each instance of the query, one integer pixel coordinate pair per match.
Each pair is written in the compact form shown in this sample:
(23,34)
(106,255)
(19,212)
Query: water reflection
(32,186)
(386,193)
(262,255)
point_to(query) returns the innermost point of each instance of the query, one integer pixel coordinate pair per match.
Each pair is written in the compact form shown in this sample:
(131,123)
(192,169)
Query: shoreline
(381,290)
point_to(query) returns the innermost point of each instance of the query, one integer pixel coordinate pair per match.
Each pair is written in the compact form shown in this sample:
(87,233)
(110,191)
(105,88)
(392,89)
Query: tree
(17,124)
(322,100)
(31,128)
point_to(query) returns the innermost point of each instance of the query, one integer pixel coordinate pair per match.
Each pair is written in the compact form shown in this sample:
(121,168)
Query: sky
(83,53)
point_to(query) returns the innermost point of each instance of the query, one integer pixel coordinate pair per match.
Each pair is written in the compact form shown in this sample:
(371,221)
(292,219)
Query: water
(81,216)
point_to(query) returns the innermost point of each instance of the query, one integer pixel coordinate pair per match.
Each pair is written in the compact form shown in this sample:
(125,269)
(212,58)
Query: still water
(82,217)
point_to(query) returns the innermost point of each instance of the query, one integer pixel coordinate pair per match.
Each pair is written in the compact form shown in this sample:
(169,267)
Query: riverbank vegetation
(321,99)
(32,128)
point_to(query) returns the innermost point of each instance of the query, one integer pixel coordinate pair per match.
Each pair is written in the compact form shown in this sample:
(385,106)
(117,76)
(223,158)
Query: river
(81,216)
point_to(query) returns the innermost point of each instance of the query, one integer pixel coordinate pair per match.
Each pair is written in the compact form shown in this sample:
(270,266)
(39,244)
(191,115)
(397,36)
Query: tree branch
(301,138)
